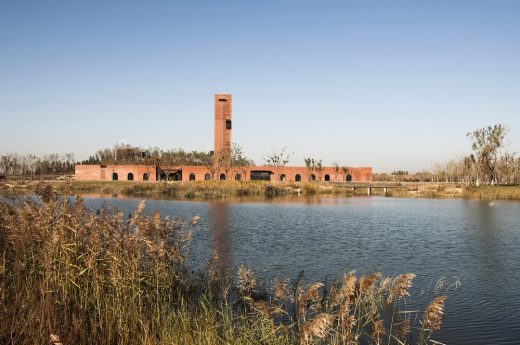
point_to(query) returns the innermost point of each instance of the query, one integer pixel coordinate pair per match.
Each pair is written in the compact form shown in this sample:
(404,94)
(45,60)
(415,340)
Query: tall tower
(222,133)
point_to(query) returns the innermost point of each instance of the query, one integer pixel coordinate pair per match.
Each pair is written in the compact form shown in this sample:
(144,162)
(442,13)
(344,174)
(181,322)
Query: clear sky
(389,84)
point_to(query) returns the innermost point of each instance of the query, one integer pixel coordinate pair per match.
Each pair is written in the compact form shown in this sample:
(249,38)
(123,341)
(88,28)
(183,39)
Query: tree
(224,160)
(319,169)
(346,172)
(209,162)
(335,165)
(309,165)
(277,161)
(468,169)
(240,161)
(5,164)
(486,144)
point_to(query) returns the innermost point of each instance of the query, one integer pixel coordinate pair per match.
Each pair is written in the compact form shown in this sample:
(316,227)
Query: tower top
(222,130)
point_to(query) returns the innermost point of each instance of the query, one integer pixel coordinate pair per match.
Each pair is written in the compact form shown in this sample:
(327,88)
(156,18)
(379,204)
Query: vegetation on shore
(71,276)
(493,192)
(456,191)
(212,189)
(489,164)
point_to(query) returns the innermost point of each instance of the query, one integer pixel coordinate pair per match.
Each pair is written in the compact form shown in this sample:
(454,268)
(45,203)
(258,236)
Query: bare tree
(486,144)
(277,161)
(346,172)
(309,165)
(319,169)
(239,161)
(335,165)
(210,163)
(5,164)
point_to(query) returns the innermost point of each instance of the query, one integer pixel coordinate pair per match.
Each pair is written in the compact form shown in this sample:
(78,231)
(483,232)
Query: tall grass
(493,192)
(194,189)
(71,276)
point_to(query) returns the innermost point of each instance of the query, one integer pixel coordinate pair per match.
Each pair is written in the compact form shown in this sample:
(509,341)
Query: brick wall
(97,173)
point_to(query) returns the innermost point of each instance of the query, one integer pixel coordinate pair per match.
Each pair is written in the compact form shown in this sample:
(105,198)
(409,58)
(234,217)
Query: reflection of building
(222,145)
(221,234)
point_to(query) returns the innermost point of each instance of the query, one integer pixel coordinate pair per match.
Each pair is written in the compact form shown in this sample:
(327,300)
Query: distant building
(222,145)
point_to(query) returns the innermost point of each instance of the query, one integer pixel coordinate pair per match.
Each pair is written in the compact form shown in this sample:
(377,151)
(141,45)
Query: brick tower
(222,133)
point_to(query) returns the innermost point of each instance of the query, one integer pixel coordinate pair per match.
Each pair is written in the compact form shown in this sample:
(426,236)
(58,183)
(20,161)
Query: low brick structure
(222,143)
(200,173)
(116,172)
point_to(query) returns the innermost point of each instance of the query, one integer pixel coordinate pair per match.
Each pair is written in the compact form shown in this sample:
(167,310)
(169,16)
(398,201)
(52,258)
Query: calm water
(471,241)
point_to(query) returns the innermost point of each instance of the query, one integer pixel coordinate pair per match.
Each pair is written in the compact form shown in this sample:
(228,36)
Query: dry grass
(69,276)
(493,192)
(212,189)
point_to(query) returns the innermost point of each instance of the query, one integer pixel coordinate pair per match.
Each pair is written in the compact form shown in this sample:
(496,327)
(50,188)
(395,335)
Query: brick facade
(200,173)
(122,172)
(223,124)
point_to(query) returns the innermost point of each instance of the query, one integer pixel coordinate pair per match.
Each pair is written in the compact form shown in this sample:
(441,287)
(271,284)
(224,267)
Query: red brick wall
(223,112)
(88,172)
(98,172)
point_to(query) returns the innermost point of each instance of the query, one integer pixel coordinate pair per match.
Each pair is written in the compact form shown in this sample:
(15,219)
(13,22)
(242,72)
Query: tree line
(488,163)
(128,154)
(22,167)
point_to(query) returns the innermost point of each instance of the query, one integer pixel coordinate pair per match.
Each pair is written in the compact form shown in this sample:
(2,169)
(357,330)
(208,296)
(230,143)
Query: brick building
(222,145)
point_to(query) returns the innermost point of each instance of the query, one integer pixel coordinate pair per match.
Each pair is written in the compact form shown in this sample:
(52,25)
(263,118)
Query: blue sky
(388,84)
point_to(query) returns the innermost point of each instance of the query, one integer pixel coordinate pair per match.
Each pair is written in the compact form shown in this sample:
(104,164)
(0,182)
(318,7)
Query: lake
(474,246)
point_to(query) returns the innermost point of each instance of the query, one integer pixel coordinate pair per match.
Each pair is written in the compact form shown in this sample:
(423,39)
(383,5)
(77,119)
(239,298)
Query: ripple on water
(431,238)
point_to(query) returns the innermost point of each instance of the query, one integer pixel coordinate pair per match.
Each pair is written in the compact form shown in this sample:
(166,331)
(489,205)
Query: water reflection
(220,233)
(327,236)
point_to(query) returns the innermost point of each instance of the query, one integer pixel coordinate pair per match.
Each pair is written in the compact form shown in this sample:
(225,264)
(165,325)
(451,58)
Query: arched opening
(146,177)
(175,176)
(298,178)
(349,177)
(162,177)
(237,177)
(115,177)
(207,177)
(222,177)
(313,177)
(130,177)
(282,177)
(192,177)
(327,177)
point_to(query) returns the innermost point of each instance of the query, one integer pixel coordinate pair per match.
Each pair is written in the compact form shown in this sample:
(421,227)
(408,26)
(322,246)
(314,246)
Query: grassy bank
(493,192)
(195,189)
(71,276)
(450,191)
(229,189)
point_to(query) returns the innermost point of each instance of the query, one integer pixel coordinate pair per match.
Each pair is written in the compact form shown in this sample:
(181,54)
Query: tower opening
(223,125)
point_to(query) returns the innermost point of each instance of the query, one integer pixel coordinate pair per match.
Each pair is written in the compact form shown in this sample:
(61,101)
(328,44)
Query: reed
(71,276)
(211,189)
(493,192)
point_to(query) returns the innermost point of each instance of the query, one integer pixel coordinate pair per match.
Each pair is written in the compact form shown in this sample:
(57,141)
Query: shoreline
(217,190)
